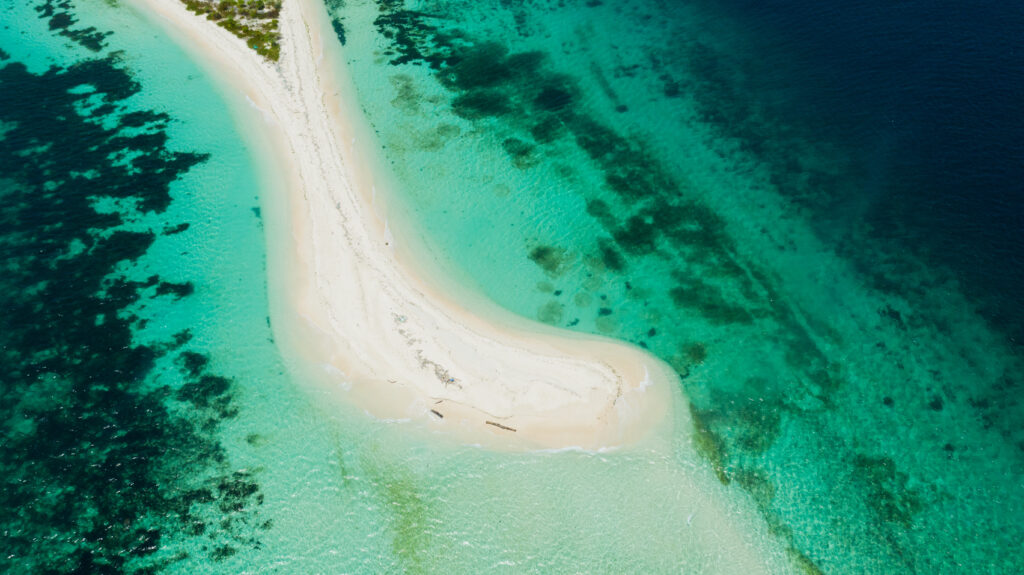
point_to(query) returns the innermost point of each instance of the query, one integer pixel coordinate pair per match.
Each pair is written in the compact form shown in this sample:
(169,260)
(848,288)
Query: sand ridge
(387,338)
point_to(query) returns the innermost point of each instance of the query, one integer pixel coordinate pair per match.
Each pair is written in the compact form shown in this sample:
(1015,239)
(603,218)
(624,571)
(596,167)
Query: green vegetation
(255,21)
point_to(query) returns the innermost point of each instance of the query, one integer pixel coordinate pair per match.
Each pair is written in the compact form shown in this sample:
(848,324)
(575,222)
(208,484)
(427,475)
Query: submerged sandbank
(392,342)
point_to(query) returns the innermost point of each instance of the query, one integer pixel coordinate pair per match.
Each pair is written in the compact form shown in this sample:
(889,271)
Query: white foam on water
(577,449)
(344,382)
(267,117)
(387,419)
(646,382)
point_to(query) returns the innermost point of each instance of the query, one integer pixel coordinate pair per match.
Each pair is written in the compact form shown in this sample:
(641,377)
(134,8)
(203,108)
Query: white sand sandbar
(389,339)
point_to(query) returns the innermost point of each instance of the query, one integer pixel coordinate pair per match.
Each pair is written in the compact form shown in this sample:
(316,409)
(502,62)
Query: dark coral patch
(481,104)
(520,152)
(602,212)
(483,66)
(62,20)
(551,312)
(637,236)
(178,290)
(892,499)
(98,468)
(194,363)
(551,259)
(610,256)
(553,98)
(547,130)
(709,444)
(696,352)
(710,302)
(173,230)
(204,391)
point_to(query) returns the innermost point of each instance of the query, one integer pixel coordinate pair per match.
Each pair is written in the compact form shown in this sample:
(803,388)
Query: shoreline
(376,328)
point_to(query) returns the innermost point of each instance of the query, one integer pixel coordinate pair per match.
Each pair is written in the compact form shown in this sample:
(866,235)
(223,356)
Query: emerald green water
(175,437)
(594,166)
(600,167)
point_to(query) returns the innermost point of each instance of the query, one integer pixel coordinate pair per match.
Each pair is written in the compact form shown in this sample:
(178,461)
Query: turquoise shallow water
(583,164)
(150,424)
(624,168)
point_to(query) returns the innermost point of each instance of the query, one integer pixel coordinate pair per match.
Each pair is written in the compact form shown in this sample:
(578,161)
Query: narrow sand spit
(387,339)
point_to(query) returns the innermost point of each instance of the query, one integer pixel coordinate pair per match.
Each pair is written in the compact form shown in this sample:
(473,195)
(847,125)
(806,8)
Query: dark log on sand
(500,426)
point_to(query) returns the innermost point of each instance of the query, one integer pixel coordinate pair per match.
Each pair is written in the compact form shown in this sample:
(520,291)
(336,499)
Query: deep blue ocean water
(929,94)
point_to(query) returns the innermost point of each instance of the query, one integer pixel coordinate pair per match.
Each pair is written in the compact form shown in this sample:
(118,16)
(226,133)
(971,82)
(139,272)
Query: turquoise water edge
(590,165)
(599,166)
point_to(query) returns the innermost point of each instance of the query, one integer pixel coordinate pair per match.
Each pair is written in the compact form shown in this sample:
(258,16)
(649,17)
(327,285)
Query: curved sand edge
(395,344)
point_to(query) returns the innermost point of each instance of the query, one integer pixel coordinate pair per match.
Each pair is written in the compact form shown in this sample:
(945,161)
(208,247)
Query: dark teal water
(927,96)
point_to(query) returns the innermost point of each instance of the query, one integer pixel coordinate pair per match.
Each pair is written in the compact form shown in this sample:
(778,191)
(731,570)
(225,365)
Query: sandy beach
(356,304)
